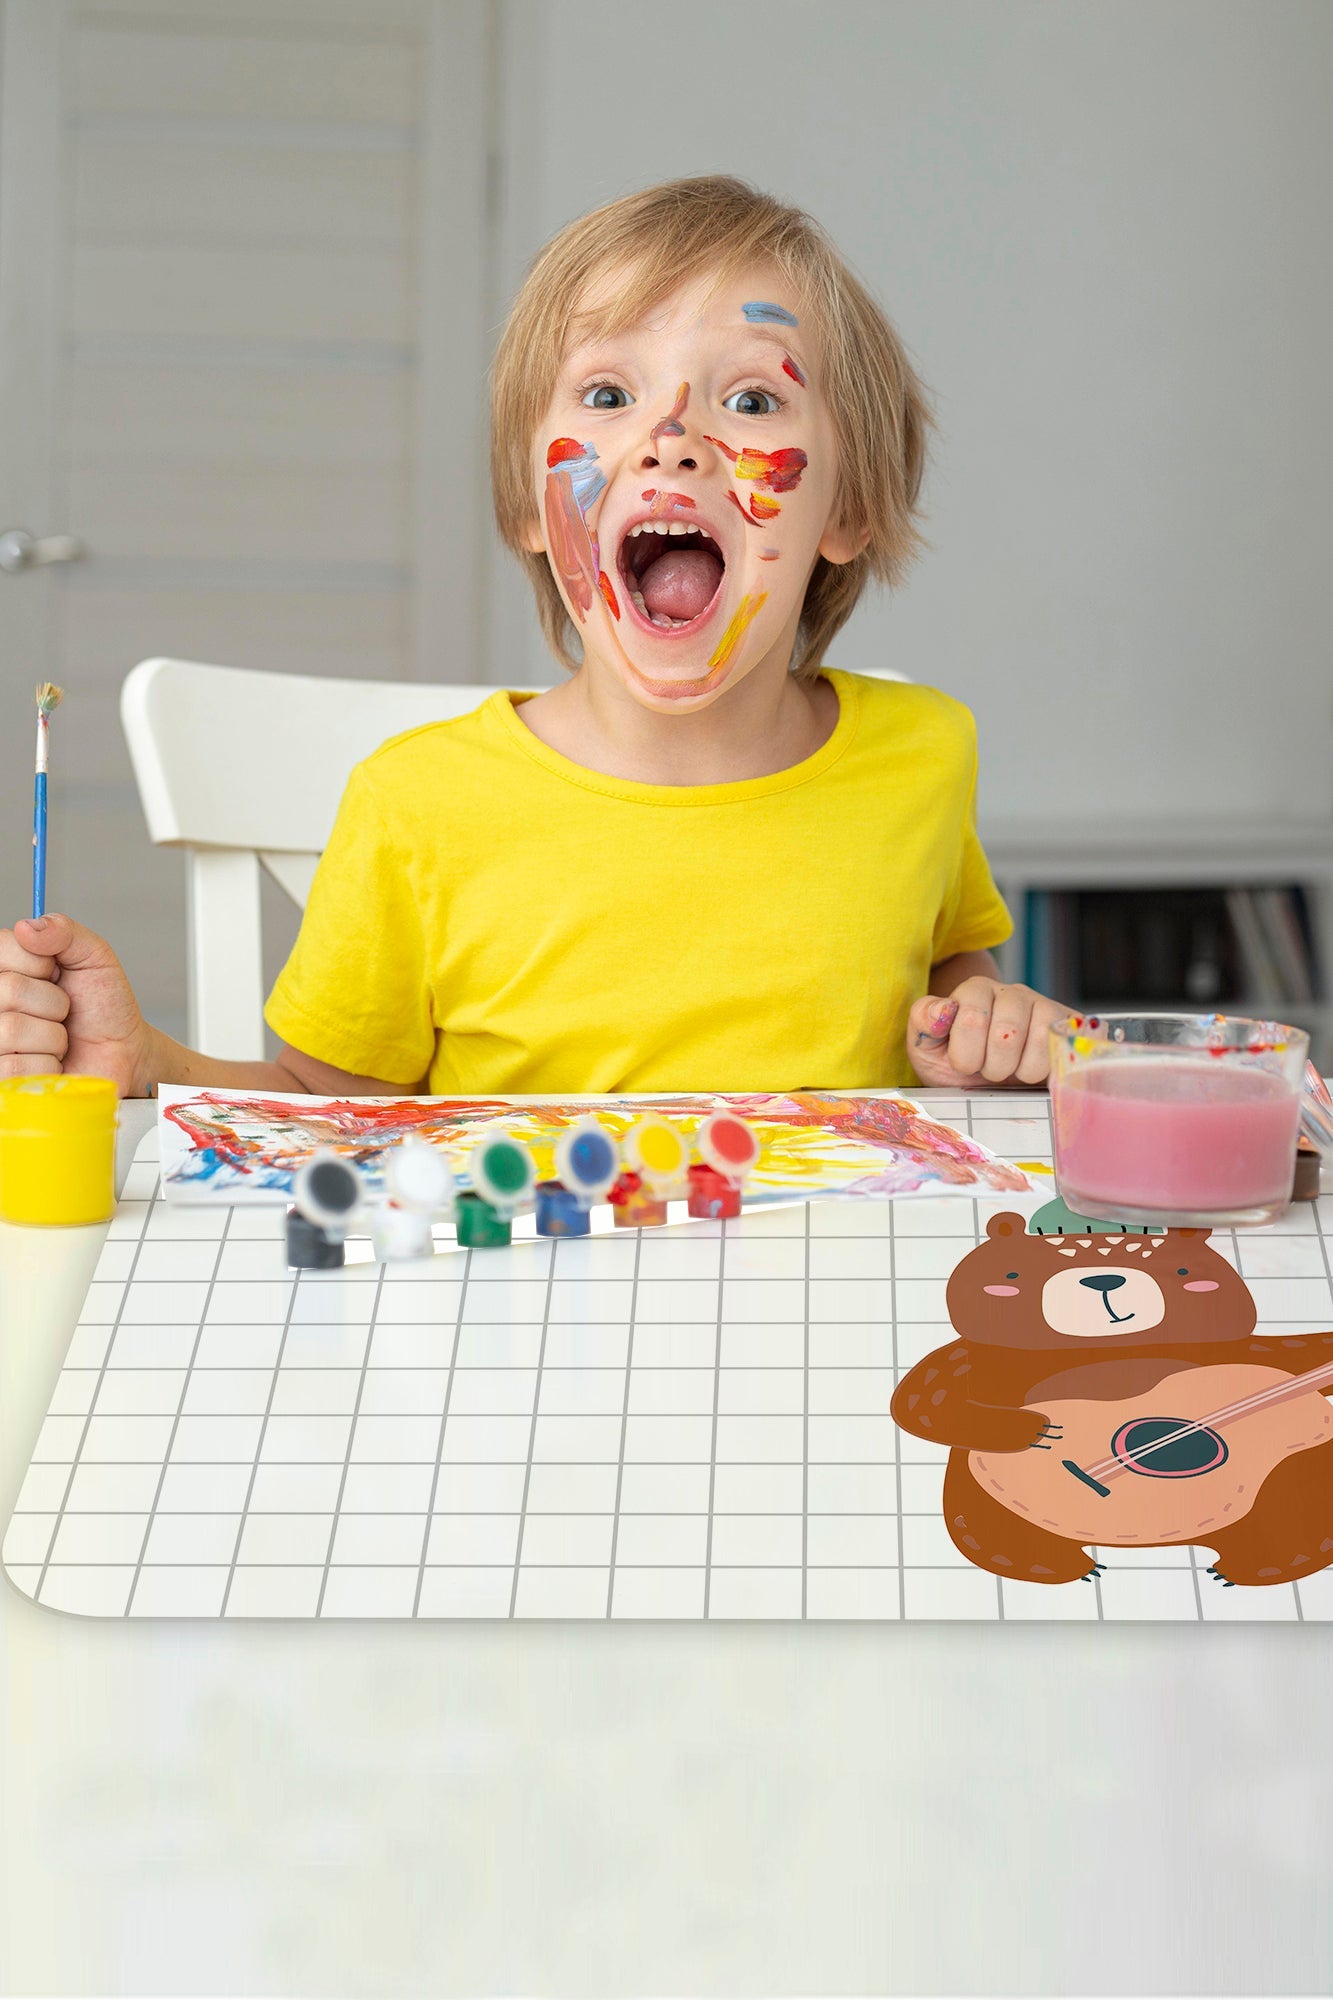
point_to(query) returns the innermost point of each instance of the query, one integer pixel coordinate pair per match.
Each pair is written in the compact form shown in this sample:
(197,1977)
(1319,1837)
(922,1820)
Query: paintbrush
(48,697)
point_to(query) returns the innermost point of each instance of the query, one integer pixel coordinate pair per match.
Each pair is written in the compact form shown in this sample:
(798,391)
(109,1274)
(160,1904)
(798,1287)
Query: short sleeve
(355,992)
(973,916)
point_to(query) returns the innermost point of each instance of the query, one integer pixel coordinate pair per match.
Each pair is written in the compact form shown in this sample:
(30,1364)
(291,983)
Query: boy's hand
(66,1005)
(984,1033)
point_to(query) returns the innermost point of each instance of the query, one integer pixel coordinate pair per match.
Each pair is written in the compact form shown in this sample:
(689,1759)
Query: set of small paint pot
(637,1176)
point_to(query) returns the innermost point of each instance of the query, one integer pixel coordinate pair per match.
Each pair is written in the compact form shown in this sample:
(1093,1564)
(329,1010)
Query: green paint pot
(478,1225)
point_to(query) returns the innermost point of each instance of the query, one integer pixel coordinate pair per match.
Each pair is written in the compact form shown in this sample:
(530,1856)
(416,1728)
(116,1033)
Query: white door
(244,313)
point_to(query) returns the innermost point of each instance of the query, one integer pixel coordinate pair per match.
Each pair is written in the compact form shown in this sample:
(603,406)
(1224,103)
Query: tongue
(680,583)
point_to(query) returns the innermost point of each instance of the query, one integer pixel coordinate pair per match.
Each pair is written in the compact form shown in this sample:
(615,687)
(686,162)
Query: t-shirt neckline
(503,706)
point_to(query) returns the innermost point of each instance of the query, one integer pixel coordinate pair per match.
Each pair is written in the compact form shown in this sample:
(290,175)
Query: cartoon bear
(1083,1348)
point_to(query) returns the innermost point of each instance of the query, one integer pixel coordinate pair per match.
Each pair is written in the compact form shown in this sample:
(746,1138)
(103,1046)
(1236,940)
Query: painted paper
(245,1146)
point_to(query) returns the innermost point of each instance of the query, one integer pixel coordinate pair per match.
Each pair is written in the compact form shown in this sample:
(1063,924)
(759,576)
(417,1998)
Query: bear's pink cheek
(1009,1291)
(1201,1285)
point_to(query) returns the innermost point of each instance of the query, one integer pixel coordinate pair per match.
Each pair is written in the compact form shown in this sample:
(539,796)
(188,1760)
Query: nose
(669,454)
(670,444)
(1103,1282)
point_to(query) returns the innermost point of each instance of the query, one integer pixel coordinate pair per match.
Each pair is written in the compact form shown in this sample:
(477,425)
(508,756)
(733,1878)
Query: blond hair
(650,244)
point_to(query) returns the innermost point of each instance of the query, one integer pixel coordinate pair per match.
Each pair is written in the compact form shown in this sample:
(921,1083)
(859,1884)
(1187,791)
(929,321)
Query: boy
(704,861)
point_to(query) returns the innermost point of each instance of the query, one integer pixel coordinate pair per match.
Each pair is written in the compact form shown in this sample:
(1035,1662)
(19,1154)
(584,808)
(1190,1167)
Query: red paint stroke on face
(666,503)
(568,540)
(671,425)
(789,368)
(761,507)
(778,471)
(604,585)
(562,449)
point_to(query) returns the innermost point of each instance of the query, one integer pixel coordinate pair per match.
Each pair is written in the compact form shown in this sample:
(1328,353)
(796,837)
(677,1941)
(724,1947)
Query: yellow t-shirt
(490,917)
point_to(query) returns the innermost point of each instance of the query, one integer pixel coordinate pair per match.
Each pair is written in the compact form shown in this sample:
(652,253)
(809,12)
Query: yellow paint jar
(57,1149)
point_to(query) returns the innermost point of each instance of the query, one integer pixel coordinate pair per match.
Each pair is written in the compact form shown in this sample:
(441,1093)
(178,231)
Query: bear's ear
(1005,1225)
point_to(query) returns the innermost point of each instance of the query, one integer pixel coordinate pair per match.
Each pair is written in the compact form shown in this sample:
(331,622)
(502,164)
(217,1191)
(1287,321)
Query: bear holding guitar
(1108,1391)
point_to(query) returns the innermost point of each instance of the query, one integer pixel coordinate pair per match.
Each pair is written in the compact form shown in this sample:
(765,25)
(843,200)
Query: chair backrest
(245,770)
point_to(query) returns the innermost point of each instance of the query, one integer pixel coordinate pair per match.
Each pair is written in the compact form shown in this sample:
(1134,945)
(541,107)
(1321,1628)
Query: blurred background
(254,255)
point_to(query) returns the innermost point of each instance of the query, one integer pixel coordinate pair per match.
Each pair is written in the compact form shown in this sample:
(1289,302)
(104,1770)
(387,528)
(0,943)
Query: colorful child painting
(235,1146)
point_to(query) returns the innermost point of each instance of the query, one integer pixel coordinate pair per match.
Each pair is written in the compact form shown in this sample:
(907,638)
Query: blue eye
(753,403)
(607,396)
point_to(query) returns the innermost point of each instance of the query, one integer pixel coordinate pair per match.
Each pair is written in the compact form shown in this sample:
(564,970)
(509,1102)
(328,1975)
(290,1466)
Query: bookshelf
(1238,878)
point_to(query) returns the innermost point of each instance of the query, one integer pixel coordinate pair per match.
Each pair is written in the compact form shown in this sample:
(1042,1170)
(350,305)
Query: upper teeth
(661,528)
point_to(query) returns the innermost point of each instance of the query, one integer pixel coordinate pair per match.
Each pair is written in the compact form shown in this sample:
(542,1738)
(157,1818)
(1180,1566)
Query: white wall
(1102,233)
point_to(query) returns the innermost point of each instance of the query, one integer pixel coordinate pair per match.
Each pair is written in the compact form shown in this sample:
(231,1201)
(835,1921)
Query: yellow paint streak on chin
(747,610)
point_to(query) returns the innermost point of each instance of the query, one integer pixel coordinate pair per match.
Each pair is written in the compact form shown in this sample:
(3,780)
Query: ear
(840,544)
(1005,1225)
(532,538)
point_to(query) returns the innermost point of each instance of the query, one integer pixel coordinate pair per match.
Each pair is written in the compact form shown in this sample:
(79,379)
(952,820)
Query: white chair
(245,770)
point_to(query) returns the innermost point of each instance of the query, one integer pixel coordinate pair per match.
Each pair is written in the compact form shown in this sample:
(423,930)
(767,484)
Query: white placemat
(689,1422)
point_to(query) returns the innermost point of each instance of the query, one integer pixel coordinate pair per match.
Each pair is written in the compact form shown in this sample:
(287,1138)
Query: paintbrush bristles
(49,696)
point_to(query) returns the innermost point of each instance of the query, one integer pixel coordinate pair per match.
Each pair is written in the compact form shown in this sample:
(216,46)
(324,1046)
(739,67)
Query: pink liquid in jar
(1171,1133)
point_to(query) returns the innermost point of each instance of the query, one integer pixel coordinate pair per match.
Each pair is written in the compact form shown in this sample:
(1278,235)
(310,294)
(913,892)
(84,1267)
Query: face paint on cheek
(671,425)
(572,553)
(746,611)
(771,471)
(580,462)
(574,482)
(762,508)
(769,555)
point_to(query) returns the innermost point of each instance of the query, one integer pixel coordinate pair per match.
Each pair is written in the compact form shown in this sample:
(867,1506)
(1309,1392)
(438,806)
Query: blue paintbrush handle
(39,845)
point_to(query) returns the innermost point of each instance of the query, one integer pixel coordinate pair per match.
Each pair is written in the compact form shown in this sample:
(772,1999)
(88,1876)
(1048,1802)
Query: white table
(370,1808)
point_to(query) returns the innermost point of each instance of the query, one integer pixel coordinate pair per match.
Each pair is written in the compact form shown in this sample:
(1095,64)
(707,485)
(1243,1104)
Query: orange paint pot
(57,1149)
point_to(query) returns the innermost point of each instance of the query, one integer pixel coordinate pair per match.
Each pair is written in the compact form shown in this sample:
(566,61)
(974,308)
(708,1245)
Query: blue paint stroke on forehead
(760,309)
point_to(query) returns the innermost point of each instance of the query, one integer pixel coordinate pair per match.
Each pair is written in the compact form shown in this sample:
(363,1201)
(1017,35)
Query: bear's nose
(1103,1282)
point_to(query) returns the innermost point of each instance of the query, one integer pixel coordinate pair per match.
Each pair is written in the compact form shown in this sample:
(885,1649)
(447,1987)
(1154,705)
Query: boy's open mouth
(672,573)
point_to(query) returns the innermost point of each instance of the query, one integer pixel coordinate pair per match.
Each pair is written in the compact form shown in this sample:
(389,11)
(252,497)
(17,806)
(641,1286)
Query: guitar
(1122,1475)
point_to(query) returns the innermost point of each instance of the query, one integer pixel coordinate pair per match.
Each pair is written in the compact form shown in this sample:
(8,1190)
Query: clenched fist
(984,1033)
(66,1005)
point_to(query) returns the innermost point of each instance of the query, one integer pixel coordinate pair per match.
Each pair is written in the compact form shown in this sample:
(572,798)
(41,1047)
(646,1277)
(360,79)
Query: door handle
(20,550)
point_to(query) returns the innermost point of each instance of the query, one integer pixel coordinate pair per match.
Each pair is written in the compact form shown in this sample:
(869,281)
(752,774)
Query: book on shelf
(1205,947)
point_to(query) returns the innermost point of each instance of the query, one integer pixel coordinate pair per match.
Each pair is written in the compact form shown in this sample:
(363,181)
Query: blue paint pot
(559,1212)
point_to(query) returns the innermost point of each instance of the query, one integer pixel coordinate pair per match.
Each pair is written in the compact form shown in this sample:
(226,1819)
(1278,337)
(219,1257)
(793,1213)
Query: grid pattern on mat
(681,1423)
